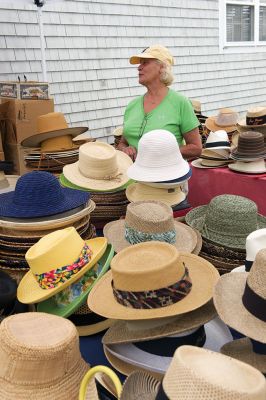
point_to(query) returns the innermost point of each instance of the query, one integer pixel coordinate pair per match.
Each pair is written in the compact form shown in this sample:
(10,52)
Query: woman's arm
(193,147)
(129,150)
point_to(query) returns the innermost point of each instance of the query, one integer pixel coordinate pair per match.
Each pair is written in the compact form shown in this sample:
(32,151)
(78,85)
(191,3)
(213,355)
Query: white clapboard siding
(89,42)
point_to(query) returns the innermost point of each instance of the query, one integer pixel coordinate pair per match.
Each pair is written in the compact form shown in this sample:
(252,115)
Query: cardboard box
(31,90)
(22,117)
(16,153)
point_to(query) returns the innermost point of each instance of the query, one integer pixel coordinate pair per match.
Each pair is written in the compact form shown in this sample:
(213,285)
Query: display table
(207,183)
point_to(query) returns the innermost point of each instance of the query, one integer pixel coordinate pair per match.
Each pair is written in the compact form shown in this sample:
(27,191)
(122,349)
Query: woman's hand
(129,150)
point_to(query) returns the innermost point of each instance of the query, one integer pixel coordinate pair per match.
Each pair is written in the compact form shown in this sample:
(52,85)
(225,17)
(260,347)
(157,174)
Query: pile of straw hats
(255,120)
(226,119)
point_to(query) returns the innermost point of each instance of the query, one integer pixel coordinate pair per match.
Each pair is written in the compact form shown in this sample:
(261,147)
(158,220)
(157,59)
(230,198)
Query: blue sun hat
(39,194)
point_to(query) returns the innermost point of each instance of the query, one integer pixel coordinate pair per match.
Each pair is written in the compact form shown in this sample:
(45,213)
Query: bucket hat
(38,194)
(217,140)
(250,146)
(226,119)
(158,159)
(56,261)
(255,118)
(157,52)
(240,299)
(202,374)
(100,167)
(227,220)
(249,167)
(141,192)
(39,358)
(51,125)
(147,221)
(133,292)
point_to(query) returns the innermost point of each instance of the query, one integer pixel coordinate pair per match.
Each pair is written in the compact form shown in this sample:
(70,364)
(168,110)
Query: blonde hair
(166,76)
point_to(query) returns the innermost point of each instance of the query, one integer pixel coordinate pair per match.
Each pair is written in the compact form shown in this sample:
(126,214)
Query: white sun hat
(158,159)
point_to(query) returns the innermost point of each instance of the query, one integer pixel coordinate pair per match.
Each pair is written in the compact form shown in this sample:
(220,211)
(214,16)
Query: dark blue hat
(38,194)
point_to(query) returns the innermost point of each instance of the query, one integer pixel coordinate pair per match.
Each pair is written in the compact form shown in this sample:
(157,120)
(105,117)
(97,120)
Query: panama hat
(227,220)
(56,261)
(158,159)
(250,147)
(146,221)
(100,167)
(217,140)
(204,163)
(226,119)
(240,299)
(114,296)
(255,118)
(67,301)
(141,192)
(249,167)
(51,125)
(201,373)
(157,52)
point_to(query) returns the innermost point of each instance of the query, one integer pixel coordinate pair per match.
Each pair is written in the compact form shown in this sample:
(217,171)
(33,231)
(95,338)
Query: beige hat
(100,167)
(197,373)
(255,118)
(203,163)
(153,280)
(146,221)
(251,167)
(240,299)
(157,52)
(196,104)
(226,120)
(141,192)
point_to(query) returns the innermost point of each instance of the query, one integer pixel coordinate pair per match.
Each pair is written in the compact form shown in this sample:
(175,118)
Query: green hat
(66,183)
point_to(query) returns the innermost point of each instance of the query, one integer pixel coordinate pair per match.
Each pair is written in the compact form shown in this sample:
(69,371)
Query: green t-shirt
(174,114)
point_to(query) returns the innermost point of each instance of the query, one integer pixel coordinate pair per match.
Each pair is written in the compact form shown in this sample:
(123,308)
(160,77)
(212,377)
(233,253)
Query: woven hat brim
(241,349)
(228,294)
(73,174)
(36,140)
(119,332)
(169,198)
(203,275)
(242,124)
(65,182)
(30,292)
(197,164)
(186,239)
(240,168)
(212,126)
(49,306)
(140,385)
(88,330)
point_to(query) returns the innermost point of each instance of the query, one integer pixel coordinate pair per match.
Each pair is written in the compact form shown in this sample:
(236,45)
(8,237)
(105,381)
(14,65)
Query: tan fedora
(146,221)
(141,192)
(142,272)
(100,167)
(240,299)
(197,373)
(255,118)
(249,167)
(226,119)
(51,125)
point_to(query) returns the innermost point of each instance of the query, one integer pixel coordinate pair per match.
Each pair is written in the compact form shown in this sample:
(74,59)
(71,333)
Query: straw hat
(249,167)
(227,220)
(240,299)
(158,159)
(157,52)
(204,163)
(152,267)
(255,118)
(57,260)
(146,221)
(196,104)
(217,140)
(51,125)
(226,119)
(39,358)
(213,376)
(250,147)
(100,167)
(220,154)
(67,301)
(141,192)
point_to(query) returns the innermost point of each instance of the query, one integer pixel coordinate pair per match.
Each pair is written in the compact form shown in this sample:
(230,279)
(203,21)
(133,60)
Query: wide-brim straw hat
(141,192)
(29,290)
(242,350)
(212,164)
(203,276)
(201,374)
(252,167)
(51,307)
(254,115)
(226,119)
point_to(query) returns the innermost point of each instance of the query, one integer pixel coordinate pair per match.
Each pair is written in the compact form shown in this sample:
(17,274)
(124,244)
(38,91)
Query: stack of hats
(216,151)
(202,118)
(53,145)
(118,133)
(37,206)
(249,154)
(226,119)
(224,224)
(101,169)
(161,298)
(160,171)
(255,120)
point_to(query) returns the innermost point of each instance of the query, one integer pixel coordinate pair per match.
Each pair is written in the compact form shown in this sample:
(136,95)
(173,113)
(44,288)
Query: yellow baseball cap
(157,52)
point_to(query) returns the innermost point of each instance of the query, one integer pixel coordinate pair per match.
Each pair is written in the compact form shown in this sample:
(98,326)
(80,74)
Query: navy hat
(38,194)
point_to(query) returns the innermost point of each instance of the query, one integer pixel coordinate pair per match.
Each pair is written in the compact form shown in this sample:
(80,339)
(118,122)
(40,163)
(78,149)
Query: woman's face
(149,71)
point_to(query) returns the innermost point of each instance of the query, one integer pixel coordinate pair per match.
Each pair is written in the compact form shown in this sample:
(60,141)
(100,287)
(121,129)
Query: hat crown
(256,112)
(256,279)
(196,104)
(226,117)
(37,348)
(250,143)
(255,241)
(50,122)
(159,52)
(217,136)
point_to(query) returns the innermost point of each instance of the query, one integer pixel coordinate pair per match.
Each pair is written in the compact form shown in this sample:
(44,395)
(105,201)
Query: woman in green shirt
(160,107)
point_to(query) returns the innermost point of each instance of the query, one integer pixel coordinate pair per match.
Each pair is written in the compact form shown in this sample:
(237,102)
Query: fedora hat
(68,300)
(38,194)
(250,146)
(201,373)
(133,292)
(215,154)
(227,220)
(226,119)
(217,140)
(203,163)
(51,125)
(146,221)
(158,159)
(100,167)
(141,192)
(249,167)
(255,118)
(240,299)
(56,261)
(43,358)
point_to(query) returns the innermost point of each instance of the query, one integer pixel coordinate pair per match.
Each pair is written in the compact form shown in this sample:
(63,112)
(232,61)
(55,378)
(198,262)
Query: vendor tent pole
(43,45)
